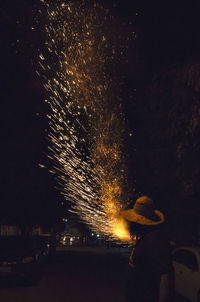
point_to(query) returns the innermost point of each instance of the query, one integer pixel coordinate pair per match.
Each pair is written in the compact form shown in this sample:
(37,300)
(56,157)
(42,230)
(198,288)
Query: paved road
(76,275)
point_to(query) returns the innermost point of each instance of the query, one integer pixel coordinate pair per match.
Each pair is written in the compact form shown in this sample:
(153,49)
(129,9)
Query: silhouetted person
(150,276)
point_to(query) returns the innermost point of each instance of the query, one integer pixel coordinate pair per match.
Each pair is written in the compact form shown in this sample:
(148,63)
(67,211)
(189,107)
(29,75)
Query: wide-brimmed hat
(144,212)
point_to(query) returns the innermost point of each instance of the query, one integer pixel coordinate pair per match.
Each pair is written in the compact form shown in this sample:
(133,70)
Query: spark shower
(86,122)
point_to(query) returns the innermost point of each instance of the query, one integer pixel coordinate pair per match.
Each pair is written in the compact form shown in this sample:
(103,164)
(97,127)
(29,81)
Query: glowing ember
(86,123)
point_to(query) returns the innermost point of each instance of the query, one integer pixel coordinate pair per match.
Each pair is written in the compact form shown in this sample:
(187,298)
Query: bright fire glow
(86,123)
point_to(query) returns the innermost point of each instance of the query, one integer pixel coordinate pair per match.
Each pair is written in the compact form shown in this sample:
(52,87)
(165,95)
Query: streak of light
(86,124)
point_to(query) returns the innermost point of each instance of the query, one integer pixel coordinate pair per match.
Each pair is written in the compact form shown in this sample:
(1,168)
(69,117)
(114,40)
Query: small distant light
(92,234)
(98,235)
(66,219)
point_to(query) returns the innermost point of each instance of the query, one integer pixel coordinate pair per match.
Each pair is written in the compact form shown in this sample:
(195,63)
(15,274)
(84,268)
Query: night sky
(167,35)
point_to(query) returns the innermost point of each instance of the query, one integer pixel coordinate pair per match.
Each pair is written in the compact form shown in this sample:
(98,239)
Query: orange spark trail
(86,123)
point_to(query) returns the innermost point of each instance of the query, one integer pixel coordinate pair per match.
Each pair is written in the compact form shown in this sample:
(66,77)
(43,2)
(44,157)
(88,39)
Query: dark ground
(76,275)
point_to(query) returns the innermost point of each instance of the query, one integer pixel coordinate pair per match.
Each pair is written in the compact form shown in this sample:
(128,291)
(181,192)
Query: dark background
(161,104)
